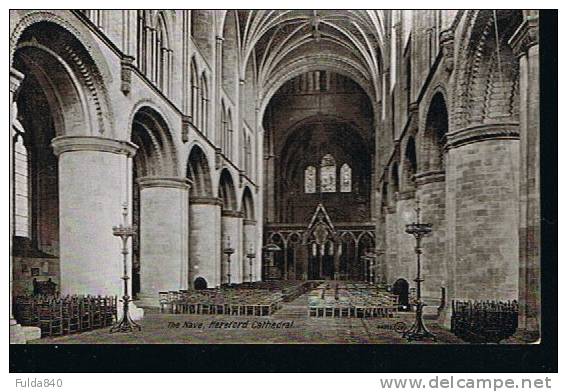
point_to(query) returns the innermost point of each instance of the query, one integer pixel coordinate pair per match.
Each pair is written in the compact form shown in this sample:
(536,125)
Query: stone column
(93,185)
(205,240)
(269,185)
(482,212)
(431,195)
(231,223)
(407,263)
(391,245)
(249,233)
(164,236)
(525,43)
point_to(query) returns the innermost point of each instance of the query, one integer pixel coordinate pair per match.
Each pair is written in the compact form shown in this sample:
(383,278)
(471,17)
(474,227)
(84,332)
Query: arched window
(194,92)
(328,174)
(310,179)
(228,138)
(143,41)
(154,54)
(162,56)
(346,178)
(221,136)
(204,111)
(21,188)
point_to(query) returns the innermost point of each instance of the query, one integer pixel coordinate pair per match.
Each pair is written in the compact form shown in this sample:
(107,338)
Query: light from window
(21,188)
(310,177)
(328,174)
(346,178)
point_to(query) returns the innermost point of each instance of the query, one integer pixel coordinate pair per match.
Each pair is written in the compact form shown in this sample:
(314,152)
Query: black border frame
(541,357)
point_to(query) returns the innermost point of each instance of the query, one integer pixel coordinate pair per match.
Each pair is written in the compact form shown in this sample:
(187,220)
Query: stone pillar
(231,223)
(164,234)
(407,260)
(269,188)
(391,245)
(525,43)
(93,185)
(249,243)
(205,240)
(482,212)
(431,196)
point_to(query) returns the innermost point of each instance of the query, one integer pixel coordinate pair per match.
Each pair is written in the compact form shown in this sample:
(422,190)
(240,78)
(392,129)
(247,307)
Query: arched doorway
(249,243)
(401,289)
(231,224)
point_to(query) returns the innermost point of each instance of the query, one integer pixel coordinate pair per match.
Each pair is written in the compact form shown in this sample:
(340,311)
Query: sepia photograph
(275,177)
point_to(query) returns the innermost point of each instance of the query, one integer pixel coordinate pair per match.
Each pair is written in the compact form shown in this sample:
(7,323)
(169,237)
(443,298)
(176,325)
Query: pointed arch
(194,91)
(204,104)
(202,32)
(230,47)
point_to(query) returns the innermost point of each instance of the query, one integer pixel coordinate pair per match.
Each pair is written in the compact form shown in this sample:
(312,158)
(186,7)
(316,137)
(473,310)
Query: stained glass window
(346,178)
(328,174)
(310,177)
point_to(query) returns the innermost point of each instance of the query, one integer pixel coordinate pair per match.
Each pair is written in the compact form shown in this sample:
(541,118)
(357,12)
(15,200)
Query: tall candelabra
(418,331)
(251,255)
(228,251)
(126,324)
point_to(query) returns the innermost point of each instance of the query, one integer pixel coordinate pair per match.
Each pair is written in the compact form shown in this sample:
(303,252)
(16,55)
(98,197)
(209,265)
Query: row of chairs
(225,301)
(67,315)
(484,321)
(358,300)
(290,289)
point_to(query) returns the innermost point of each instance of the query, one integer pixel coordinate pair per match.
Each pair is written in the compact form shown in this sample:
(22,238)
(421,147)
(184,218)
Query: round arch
(247,204)
(434,134)
(68,75)
(198,171)
(410,164)
(156,155)
(227,191)
(316,62)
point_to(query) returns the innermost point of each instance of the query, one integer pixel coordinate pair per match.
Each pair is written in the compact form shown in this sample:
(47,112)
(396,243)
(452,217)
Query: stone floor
(291,325)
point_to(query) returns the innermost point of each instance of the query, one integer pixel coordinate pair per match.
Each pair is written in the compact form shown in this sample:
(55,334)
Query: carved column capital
(62,144)
(526,36)
(164,182)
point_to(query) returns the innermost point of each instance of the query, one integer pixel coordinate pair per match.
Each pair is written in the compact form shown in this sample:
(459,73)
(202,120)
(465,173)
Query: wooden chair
(51,319)
(70,316)
(84,314)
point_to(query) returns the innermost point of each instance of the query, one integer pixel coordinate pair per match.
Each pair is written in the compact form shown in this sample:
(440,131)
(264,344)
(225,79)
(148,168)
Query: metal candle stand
(251,256)
(418,331)
(228,251)
(126,324)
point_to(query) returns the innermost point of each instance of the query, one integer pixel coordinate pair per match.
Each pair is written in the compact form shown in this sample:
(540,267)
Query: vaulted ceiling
(281,42)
